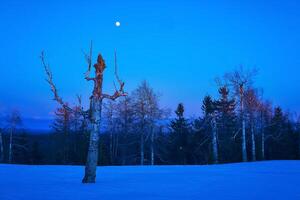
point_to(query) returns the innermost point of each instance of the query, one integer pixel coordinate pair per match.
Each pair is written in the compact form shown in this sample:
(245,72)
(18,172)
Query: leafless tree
(252,106)
(125,128)
(110,115)
(94,112)
(265,112)
(240,80)
(14,120)
(147,112)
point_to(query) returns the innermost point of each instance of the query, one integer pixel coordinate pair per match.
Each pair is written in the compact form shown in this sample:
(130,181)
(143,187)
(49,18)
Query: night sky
(179,47)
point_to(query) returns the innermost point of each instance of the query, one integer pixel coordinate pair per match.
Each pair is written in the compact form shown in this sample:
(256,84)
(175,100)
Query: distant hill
(37,125)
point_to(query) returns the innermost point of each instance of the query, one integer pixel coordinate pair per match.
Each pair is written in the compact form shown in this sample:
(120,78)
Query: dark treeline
(236,125)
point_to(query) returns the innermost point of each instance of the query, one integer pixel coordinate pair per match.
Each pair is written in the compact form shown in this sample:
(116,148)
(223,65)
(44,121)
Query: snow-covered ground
(261,180)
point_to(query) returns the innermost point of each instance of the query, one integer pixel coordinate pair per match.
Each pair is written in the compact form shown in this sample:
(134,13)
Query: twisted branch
(88,58)
(118,92)
(49,79)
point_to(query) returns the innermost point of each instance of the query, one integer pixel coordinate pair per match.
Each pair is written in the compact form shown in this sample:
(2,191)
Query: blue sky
(178,46)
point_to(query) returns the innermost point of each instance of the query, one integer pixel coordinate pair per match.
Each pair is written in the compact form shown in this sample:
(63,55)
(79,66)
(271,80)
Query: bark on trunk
(142,148)
(214,141)
(92,158)
(152,146)
(262,139)
(10,146)
(263,144)
(253,149)
(244,145)
(111,147)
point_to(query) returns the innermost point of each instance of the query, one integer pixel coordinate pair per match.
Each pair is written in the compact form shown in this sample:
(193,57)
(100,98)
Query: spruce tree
(180,136)
(226,123)
(209,110)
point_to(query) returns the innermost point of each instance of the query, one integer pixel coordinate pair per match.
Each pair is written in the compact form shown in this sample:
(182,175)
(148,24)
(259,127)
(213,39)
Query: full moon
(118,23)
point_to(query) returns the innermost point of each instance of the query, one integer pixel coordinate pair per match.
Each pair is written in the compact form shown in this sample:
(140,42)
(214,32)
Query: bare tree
(13,120)
(252,104)
(155,115)
(265,112)
(141,110)
(240,80)
(147,112)
(110,112)
(125,126)
(95,109)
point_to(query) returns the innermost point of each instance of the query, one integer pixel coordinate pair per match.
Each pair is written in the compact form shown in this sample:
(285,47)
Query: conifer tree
(226,123)
(180,136)
(209,109)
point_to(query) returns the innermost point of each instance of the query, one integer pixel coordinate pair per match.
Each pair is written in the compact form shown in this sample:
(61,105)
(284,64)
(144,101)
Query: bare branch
(118,92)
(79,100)
(51,83)
(88,58)
(236,133)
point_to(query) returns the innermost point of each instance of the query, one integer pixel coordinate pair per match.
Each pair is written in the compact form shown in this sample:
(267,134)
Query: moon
(117,24)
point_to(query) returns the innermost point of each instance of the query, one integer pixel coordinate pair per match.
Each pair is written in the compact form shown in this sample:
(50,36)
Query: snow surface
(259,180)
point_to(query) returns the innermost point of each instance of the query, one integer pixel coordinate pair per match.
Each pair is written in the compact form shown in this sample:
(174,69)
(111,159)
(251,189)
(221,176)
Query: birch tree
(110,112)
(252,104)
(95,109)
(240,80)
(265,114)
(147,111)
(13,120)
(125,127)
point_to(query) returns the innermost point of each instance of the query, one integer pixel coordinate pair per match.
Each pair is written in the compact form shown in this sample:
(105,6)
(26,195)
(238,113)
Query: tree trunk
(263,143)
(10,146)
(152,146)
(92,157)
(111,147)
(1,148)
(253,150)
(142,148)
(214,141)
(244,145)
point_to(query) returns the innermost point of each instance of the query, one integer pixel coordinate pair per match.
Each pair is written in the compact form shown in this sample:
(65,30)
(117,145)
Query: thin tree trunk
(116,146)
(152,146)
(111,147)
(92,158)
(1,148)
(253,143)
(244,145)
(263,143)
(214,141)
(10,146)
(142,148)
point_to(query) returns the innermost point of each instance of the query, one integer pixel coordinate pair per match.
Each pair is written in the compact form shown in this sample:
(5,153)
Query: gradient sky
(178,46)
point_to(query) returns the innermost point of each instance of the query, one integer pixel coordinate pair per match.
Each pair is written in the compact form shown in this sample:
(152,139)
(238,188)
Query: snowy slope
(260,180)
